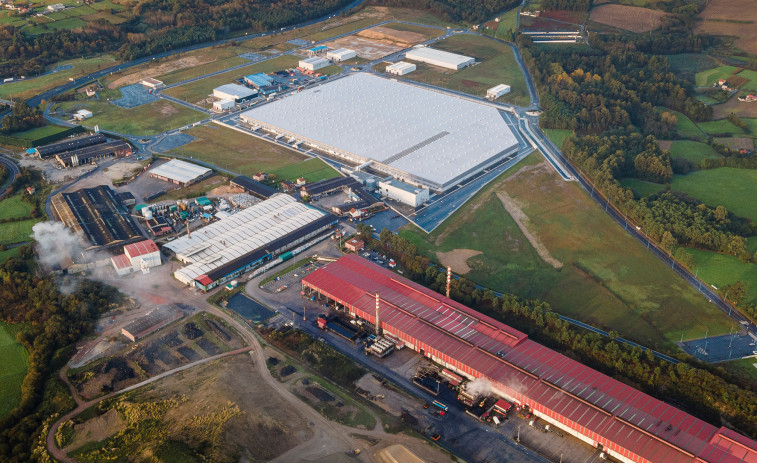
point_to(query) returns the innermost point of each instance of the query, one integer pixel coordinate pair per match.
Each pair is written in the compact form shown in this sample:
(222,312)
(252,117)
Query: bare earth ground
(665,145)
(365,48)
(739,108)
(630,18)
(96,429)
(51,173)
(731,17)
(457,259)
(165,68)
(387,34)
(737,143)
(397,453)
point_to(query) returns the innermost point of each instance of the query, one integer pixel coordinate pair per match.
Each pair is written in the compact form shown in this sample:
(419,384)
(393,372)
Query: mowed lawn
(198,90)
(720,269)
(14,207)
(692,150)
(15,364)
(236,151)
(736,189)
(608,279)
(313,170)
(497,66)
(640,187)
(40,132)
(148,119)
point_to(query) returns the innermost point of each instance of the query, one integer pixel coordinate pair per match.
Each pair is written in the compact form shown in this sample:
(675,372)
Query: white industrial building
(223,105)
(82,114)
(496,92)
(403,192)
(315,63)
(419,136)
(439,58)
(234,92)
(179,172)
(400,68)
(140,256)
(151,83)
(342,54)
(229,247)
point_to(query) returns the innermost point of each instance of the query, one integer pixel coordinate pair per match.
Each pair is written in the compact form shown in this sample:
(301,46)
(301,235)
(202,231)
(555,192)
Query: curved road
(14,171)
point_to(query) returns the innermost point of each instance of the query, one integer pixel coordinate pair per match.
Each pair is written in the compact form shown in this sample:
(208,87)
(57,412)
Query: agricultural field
(15,364)
(30,87)
(147,119)
(710,76)
(720,269)
(180,75)
(604,277)
(686,128)
(721,127)
(692,150)
(629,18)
(313,170)
(742,109)
(736,18)
(725,186)
(236,151)
(642,188)
(199,90)
(497,66)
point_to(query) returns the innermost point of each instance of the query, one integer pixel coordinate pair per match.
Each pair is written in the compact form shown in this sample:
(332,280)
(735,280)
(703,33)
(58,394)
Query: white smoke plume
(479,387)
(56,244)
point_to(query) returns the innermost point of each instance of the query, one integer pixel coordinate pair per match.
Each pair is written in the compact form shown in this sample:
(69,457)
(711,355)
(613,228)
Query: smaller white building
(56,7)
(439,58)
(82,114)
(315,63)
(154,84)
(223,105)
(404,192)
(401,68)
(140,256)
(234,92)
(496,92)
(342,54)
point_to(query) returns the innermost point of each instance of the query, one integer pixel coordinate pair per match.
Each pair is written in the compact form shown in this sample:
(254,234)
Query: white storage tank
(147,213)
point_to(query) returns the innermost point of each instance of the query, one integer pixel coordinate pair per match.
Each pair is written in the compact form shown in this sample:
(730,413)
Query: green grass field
(744,368)
(641,187)
(39,132)
(720,269)
(722,126)
(60,25)
(557,135)
(710,76)
(497,66)
(236,151)
(725,186)
(16,232)
(692,150)
(184,74)
(607,279)
(8,253)
(15,364)
(29,87)
(200,89)
(427,31)
(343,29)
(507,22)
(314,170)
(751,76)
(686,127)
(14,207)
(148,119)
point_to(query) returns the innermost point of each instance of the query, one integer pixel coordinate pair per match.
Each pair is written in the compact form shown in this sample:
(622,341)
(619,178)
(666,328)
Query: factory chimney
(378,322)
(449,278)
(189,235)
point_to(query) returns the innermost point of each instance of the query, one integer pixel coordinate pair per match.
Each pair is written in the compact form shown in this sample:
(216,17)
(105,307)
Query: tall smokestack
(378,322)
(449,278)
(189,235)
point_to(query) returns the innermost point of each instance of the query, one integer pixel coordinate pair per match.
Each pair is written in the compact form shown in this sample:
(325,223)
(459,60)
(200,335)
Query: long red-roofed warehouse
(629,425)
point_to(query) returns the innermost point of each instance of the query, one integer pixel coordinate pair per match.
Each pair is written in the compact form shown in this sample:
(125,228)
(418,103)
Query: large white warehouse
(439,58)
(179,172)
(230,247)
(315,63)
(234,92)
(419,136)
(343,54)
(400,69)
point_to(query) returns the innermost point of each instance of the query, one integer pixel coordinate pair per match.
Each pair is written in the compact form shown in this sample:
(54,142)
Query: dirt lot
(387,34)
(366,48)
(51,173)
(165,68)
(630,18)
(457,259)
(731,17)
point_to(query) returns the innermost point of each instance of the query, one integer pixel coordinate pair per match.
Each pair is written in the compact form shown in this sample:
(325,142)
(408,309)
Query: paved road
(14,171)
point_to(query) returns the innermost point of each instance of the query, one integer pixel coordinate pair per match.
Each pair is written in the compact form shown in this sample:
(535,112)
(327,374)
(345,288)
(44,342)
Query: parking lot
(721,348)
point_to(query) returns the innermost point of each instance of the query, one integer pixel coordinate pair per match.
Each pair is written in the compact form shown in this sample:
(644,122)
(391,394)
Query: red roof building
(141,248)
(629,425)
(355,245)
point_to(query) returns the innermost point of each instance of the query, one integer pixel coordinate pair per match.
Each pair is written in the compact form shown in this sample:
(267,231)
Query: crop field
(497,66)
(148,119)
(507,22)
(14,207)
(740,108)
(710,76)
(720,269)
(725,186)
(236,151)
(200,89)
(692,150)
(313,170)
(15,364)
(607,278)
(640,187)
(731,17)
(181,75)
(630,18)
(33,86)
(16,232)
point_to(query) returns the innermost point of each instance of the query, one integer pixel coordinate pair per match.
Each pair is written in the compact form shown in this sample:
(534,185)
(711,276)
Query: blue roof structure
(259,80)
(318,48)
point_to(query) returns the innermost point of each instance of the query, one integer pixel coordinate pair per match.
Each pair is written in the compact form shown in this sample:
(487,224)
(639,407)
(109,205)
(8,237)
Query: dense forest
(699,388)
(52,320)
(469,11)
(158,26)
(22,118)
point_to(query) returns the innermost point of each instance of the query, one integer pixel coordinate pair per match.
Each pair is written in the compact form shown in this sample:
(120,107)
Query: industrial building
(439,58)
(223,105)
(497,91)
(630,426)
(258,80)
(152,84)
(320,49)
(400,68)
(52,149)
(82,114)
(342,54)
(234,92)
(418,136)
(407,194)
(140,256)
(313,64)
(98,215)
(93,153)
(232,246)
(180,172)
(151,322)
(253,187)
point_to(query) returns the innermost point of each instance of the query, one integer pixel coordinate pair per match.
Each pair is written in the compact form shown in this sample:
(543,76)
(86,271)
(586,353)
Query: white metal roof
(179,170)
(498,88)
(315,60)
(400,65)
(239,234)
(427,134)
(426,54)
(340,53)
(235,91)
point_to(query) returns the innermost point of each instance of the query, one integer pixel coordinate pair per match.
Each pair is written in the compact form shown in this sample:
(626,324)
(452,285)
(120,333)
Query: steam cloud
(55,243)
(479,387)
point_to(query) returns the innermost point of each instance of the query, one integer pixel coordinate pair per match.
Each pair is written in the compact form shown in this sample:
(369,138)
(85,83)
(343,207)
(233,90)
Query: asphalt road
(14,172)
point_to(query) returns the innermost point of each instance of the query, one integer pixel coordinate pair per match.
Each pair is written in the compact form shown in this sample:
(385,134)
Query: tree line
(469,11)
(22,118)
(701,389)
